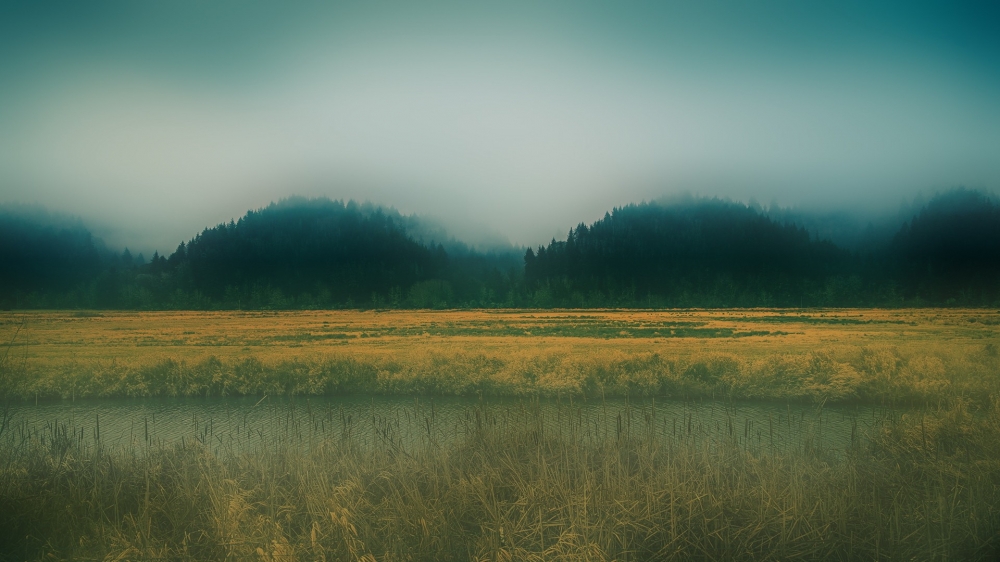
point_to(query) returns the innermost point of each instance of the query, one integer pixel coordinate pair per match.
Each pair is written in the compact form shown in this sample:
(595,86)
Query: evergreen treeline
(691,253)
(298,253)
(317,253)
(314,251)
(950,251)
(48,257)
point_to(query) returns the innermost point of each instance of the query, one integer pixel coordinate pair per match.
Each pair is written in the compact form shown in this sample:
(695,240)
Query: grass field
(922,355)
(922,483)
(517,486)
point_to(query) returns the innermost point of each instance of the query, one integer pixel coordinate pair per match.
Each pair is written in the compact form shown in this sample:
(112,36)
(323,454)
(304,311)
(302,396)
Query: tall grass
(516,485)
(868,373)
(915,356)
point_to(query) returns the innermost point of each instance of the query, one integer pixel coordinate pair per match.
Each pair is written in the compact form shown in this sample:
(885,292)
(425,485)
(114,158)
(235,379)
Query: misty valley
(682,379)
(519,281)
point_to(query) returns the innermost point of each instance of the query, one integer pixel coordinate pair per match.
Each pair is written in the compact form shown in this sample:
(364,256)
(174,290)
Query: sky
(517,120)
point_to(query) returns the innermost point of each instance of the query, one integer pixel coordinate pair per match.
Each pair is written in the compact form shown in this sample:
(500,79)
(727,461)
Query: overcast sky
(160,118)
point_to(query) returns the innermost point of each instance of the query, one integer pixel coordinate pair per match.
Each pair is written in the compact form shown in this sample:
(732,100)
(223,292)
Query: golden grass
(913,355)
(923,487)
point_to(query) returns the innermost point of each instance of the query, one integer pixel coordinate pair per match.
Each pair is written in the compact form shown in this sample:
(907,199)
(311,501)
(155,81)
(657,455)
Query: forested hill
(306,253)
(696,252)
(950,251)
(46,254)
(318,253)
(319,248)
(709,252)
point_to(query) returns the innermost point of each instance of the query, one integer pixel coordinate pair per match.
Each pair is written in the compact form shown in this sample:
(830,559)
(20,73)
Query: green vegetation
(921,481)
(321,254)
(518,486)
(599,328)
(875,374)
(894,357)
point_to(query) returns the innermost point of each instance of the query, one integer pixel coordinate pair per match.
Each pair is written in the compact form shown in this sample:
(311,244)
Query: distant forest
(687,252)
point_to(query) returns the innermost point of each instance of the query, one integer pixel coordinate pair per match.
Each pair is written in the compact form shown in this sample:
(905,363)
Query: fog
(153,121)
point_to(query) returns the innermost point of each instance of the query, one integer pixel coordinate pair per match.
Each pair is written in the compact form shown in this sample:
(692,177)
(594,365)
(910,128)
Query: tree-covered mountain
(325,248)
(709,252)
(46,255)
(689,253)
(950,251)
(297,253)
(318,253)
(304,253)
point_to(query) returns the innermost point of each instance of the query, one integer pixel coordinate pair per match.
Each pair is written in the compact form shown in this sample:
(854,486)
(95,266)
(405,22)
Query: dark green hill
(305,253)
(318,253)
(697,252)
(300,246)
(950,251)
(51,257)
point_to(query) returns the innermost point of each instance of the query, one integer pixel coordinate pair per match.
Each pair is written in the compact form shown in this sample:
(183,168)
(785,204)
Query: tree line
(715,253)
(691,252)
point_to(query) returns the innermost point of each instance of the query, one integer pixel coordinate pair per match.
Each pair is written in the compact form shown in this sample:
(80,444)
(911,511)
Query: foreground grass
(915,356)
(925,486)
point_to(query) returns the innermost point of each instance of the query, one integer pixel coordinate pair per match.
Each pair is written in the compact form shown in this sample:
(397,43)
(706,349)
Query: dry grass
(839,355)
(519,487)
(923,486)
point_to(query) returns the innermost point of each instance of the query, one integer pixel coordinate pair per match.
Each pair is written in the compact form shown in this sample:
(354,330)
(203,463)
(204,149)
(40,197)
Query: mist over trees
(950,251)
(685,252)
(320,251)
(690,253)
(297,253)
(47,255)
